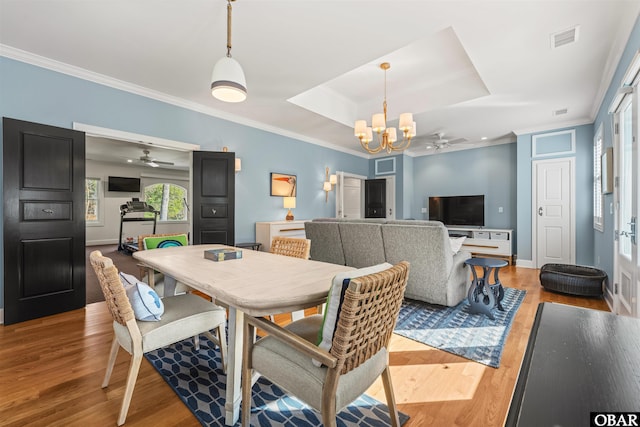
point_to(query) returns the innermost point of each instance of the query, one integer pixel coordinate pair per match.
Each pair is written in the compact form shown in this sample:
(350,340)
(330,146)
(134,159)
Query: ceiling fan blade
(160,162)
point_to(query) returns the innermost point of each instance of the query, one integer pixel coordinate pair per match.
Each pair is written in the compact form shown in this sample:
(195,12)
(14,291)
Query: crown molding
(84,74)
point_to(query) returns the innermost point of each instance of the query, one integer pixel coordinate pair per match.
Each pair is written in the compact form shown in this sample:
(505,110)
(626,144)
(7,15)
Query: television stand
(486,242)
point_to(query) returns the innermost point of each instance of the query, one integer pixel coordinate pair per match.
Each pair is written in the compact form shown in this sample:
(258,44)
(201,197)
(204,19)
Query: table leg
(498,284)
(234,366)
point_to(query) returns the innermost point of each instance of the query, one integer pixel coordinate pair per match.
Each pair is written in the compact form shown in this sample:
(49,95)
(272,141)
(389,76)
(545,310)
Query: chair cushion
(334,302)
(147,305)
(165,241)
(295,372)
(185,316)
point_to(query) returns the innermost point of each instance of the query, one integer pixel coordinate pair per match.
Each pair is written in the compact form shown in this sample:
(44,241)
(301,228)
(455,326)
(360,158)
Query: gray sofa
(436,275)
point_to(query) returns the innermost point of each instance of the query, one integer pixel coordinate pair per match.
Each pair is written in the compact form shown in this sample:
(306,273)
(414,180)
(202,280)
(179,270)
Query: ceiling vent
(560,112)
(565,37)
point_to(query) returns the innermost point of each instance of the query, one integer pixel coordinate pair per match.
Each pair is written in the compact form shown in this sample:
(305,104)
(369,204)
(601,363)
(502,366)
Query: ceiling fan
(438,141)
(150,161)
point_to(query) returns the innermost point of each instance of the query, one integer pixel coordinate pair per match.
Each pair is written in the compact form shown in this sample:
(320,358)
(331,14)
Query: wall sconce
(289,203)
(328,183)
(238,164)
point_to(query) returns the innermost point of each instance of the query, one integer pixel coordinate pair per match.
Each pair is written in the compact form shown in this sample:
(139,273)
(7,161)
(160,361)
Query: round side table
(483,295)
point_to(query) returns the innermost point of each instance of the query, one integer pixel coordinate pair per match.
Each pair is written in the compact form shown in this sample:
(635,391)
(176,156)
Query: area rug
(455,330)
(198,379)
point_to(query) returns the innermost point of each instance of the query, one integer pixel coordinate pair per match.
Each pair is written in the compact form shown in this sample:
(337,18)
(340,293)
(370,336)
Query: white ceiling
(468,69)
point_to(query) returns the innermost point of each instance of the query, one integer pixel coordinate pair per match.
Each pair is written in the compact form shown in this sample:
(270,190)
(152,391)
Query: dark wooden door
(44,222)
(213,197)
(375,198)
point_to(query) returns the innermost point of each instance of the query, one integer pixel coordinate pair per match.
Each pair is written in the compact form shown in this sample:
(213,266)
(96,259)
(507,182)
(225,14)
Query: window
(92,200)
(169,199)
(598,197)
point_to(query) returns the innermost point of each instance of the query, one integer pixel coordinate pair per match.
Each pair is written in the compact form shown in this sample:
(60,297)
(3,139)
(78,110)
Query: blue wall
(584,193)
(490,171)
(35,94)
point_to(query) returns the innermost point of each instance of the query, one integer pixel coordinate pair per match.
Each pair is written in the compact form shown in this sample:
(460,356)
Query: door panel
(213,197)
(44,224)
(555,235)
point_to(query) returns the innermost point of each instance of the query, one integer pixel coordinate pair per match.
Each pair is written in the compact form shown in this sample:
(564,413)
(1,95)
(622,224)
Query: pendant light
(227,80)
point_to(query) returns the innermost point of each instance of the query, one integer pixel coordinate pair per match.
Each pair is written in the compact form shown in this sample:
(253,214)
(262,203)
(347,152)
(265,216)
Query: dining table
(256,283)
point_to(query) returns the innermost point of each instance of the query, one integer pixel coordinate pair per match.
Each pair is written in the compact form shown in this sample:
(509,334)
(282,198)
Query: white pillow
(146,303)
(456,243)
(334,302)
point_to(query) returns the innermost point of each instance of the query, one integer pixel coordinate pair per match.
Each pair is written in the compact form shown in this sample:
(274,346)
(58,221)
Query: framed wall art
(283,185)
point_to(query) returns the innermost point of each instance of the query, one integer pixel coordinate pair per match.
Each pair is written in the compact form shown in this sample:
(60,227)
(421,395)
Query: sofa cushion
(456,243)
(428,250)
(362,244)
(326,244)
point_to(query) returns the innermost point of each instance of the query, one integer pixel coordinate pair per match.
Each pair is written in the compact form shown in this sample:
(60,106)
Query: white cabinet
(495,243)
(266,231)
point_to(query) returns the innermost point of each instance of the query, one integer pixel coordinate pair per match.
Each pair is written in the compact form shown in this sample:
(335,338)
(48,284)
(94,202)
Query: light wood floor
(51,370)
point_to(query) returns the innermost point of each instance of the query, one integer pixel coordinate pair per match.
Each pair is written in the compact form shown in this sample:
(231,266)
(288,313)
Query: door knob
(540,211)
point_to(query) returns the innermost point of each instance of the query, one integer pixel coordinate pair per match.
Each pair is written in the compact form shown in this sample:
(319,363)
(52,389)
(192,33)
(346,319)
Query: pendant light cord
(229,28)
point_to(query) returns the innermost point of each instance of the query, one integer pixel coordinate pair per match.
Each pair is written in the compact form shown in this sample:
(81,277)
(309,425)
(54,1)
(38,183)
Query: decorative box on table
(222,254)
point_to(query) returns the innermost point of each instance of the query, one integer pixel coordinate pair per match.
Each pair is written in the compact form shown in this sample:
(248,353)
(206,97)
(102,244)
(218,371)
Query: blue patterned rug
(198,379)
(455,330)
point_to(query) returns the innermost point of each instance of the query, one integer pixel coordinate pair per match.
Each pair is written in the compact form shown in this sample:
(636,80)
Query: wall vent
(560,112)
(565,37)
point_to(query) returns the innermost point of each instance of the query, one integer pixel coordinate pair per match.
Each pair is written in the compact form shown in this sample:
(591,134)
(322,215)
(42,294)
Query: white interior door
(554,216)
(390,202)
(349,195)
(626,192)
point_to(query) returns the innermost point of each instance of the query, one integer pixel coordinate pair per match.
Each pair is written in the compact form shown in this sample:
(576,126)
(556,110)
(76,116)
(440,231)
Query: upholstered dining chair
(329,380)
(291,246)
(184,316)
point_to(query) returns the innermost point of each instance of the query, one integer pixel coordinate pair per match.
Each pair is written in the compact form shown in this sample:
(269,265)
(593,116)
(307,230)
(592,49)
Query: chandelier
(387,136)
(227,80)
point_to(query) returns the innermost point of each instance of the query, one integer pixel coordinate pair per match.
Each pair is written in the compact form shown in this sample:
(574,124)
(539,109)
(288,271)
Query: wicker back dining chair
(357,357)
(291,246)
(184,316)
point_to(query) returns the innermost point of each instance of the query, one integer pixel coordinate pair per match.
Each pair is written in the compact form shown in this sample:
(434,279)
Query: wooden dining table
(258,284)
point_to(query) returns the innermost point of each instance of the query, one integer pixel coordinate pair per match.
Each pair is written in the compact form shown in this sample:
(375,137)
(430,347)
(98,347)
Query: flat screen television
(457,210)
(123,184)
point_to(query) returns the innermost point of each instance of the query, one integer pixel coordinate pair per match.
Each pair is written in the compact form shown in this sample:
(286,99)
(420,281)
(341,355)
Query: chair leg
(196,342)
(136,359)
(391,400)
(328,412)
(248,339)
(113,353)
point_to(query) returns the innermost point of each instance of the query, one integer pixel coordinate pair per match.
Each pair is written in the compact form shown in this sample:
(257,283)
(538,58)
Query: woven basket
(573,279)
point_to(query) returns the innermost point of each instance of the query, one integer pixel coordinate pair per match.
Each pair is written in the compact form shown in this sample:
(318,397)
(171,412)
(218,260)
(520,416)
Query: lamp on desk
(289,203)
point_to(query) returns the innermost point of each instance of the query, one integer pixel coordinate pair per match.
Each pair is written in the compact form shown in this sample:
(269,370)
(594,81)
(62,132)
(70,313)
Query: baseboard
(101,242)
(608,298)
(1,316)
(525,263)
